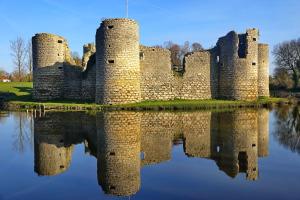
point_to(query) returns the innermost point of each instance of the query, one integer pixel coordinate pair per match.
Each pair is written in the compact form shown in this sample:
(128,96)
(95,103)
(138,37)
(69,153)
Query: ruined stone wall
(118,64)
(156,74)
(88,50)
(88,89)
(48,52)
(119,152)
(196,83)
(214,73)
(72,82)
(263,70)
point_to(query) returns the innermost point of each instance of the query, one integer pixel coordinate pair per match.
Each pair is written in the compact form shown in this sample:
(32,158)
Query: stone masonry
(120,70)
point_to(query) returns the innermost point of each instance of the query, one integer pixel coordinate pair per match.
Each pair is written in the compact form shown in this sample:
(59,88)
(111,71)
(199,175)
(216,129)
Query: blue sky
(201,21)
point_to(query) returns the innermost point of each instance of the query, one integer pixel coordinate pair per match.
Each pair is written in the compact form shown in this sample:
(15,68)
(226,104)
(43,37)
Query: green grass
(19,97)
(16,91)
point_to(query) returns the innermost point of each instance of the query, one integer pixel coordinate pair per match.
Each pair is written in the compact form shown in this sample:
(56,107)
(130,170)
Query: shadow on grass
(27,97)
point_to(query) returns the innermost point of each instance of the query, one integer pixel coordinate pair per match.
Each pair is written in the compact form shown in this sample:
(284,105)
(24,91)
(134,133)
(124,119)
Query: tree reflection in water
(287,130)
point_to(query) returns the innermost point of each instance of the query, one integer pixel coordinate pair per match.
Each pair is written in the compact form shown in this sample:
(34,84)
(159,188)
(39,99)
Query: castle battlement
(118,69)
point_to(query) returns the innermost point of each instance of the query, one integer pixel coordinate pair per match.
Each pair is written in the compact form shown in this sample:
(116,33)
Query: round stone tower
(238,61)
(118,64)
(263,70)
(48,53)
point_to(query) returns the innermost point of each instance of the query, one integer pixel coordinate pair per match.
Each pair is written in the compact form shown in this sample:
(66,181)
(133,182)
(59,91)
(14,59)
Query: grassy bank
(18,97)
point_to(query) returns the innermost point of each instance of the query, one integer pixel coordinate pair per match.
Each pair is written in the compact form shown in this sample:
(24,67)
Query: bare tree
(3,74)
(196,47)
(287,57)
(185,48)
(175,52)
(77,58)
(29,59)
(18,53)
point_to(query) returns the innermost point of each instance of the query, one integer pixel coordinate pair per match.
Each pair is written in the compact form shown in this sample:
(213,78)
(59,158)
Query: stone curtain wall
(160,82)
(196,79)
(88,50)
(89,80)
(72,82)
(156,74)
(118,64)
(263,70)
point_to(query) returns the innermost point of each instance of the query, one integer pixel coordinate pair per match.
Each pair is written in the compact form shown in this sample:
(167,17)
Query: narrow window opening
(112,153)
(61,166)
(109,45)
(60,41)
(142,156)
(153,49)
(110,27)
(141,55)
(254,39)
(111,187)
(253,145)
(254,169)
(59,67)
(254,63)
(218,59)
(218,149)
(111,61)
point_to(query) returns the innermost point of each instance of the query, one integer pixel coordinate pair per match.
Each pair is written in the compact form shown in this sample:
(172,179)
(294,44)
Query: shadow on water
(124,142)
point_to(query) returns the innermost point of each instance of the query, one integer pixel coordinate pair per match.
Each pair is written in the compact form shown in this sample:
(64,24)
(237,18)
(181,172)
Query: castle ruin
(119,70)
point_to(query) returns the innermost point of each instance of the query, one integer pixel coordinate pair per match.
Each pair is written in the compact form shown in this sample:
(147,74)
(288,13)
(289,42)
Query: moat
(237,154)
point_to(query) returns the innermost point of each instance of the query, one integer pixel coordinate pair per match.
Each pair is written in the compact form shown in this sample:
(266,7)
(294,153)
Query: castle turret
(49,54)
(118,64)
(263,70)
(238,62)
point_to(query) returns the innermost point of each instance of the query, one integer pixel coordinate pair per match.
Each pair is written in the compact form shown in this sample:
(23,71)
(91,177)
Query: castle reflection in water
(123,142)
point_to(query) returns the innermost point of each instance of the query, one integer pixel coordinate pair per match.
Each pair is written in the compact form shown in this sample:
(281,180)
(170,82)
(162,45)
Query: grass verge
(18,97)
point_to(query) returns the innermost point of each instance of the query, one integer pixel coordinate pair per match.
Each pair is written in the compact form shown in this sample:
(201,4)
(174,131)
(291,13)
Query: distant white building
(5,80)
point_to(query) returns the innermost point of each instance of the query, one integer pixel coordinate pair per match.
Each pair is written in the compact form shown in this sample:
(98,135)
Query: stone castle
(124,142)
(120,70)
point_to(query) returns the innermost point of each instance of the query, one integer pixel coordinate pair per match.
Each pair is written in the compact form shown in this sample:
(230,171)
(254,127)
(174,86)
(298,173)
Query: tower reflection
(123,142)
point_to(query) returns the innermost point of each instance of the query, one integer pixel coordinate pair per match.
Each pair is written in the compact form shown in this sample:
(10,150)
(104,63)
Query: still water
(240,154)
